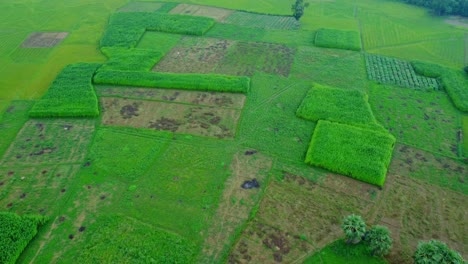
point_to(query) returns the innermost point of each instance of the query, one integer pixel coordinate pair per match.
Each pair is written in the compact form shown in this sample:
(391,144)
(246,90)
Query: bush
(17,232)
(337,105)
(379,240)
(354,228)
(436,252)
(338,39)
(122,59)
(360,153)
(70,95)
(202,82)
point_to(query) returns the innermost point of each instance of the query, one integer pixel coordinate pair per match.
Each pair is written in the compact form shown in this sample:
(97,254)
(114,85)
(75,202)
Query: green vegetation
(360,153)
(442,8)
(219,83)
(339,252)
(354,228)
(379,240)
(130,59)
(70,95)
(255,20)
(298,8)
(338,39)
(436,252)
(16,233)
(12,120)
(387,70)
(337,105)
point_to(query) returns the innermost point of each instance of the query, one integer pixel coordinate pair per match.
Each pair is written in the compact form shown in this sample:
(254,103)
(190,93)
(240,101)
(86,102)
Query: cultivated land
(128,127)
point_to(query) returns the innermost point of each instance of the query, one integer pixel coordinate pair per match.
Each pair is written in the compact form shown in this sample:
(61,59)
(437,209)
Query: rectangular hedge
(360,153)
(338,39)
(70,95)
(338,105)
(16,233)
(200,82)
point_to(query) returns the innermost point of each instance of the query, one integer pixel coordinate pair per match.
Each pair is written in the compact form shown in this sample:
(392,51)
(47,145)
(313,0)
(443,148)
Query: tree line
(443,7)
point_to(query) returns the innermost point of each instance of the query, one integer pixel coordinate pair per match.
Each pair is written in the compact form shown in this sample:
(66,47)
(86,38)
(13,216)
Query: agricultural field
(212,131)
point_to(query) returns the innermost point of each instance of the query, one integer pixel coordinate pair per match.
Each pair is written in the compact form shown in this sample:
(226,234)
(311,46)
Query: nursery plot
(194,55)
(246,19)
(222,100)
(388,70)
(421,119)
(245,58)
(195,10)
(429,167)
(236,203)
(50,141)
(179,118)
(44,39)
(140,7)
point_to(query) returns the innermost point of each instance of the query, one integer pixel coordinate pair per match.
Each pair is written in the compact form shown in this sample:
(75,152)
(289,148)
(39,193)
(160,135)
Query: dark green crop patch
(338,39)
(70,95)
(16,233)
(122,59)
(359,153)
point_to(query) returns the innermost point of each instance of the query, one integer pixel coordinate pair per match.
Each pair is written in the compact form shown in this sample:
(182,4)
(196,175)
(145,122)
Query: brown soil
(44,39)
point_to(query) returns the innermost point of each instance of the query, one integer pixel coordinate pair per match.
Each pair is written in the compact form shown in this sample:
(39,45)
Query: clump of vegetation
(298,9)
(360,153)
(337,105)
(122,59)
(338,39)
(379,240)
(70,95)
(354,228)
(202,82)
(436,252)
(17,232)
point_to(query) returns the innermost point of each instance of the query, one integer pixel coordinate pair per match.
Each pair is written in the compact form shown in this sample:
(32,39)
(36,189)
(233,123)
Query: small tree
(298,8)
(436,252)
(379,240)
(354,228)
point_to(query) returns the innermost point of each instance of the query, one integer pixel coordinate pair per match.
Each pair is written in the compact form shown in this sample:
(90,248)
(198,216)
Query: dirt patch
(457,21)
(195,10)
(44,39)
(236,203)
(194,55)
(179,118)
(129,111)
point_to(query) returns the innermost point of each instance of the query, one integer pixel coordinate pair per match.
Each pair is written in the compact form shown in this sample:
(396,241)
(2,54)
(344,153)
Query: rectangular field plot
(194,55)
(245,58)
(44,39)
(262,21)
(387,70)
(50,141)
(174,117)
(140,7)
(221,100)
(195,10)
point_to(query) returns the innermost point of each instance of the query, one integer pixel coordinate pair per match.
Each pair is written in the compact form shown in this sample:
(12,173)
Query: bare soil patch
(457,21)
(179,118)
(195,10)
(44,39)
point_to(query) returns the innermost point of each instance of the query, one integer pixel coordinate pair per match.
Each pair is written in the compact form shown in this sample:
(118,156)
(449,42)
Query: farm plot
(245,58)
(338,39)
(194,55)
(236,203)
(196,10)
(44,39)
(222,100)
(50,141)
(387,70)
(417,118)
(246,19)
(174,117)
(429,167)
(11,122)
(140,7)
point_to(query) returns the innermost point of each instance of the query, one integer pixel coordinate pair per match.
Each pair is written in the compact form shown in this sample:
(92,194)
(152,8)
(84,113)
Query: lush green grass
(360,153)
(338,39)
(162,42)
(337,105)
(16,233)
(339,252)
(219,83)
(130,59)
(70,95)
(465,135)
(11,121)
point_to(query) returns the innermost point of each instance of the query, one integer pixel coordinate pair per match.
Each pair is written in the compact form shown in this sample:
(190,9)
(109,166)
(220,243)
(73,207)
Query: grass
(356,152)
(130,60)
(70,95)
(338,39)
(340,252)
(12,120)
(262,21)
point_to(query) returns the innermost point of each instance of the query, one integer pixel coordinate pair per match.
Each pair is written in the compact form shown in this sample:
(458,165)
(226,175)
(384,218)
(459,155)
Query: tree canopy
(443,7)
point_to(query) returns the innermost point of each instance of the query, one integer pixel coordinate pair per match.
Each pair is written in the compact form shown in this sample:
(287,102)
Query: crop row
(246,19)
(201,82)
(398,72)
(70,95)
(16,234)
(338,39)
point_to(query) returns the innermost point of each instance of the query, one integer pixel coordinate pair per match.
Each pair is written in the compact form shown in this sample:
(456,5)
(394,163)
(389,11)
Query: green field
(130,130)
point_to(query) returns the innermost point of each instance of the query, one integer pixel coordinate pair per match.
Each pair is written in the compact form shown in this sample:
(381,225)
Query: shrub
(338,39)
(17,232)
(436,252)
(379,240)
(360,153)
(202,82)
(70,95)
(354,228)
(122,59)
